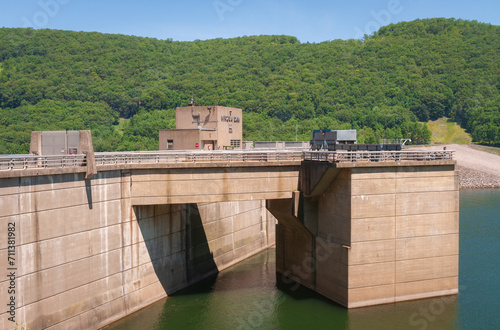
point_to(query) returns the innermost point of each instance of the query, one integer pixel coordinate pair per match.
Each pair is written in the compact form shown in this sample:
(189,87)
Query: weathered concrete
(86,256)
(87,148)
(295,244)
(36,143)
(90,251)
(172,186)
(382,233)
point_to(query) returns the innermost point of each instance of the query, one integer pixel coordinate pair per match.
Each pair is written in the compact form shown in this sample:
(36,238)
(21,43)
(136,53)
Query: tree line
(385,86)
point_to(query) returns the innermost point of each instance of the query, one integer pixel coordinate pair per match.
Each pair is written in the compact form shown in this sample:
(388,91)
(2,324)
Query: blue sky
(309,21)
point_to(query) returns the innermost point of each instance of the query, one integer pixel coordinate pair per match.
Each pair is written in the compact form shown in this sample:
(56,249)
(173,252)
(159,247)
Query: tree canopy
(385,86)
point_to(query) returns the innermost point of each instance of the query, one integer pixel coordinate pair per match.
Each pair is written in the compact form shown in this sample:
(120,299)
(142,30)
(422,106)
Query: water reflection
(251,296)
(435,313)
(479,279)
(246,296)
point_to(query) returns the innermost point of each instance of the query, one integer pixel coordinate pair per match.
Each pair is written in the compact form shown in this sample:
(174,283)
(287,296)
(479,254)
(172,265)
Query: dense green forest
(386,85)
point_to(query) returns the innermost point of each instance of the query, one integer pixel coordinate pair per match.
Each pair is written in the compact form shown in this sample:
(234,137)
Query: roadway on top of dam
(12,166)
(172,177)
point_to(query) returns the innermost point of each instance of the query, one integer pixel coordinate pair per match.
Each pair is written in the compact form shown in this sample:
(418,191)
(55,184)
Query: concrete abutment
(86,256)
(371,235)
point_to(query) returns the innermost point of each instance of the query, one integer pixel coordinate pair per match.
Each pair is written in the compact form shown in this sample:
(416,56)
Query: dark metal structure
(332,140)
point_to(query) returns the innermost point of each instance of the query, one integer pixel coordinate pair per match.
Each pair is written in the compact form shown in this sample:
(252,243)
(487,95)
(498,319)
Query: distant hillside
(383,86)
(445,131)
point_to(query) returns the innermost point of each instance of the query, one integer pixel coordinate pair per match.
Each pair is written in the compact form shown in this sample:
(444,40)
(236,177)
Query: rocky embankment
(470,178)
(477,169)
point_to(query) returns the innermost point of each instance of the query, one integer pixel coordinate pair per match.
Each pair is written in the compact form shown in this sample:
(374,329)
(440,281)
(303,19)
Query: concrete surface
(86,256)
(382,234)
(90,251)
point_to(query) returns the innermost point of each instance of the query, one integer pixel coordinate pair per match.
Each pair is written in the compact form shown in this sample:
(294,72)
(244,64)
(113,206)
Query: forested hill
(383,86)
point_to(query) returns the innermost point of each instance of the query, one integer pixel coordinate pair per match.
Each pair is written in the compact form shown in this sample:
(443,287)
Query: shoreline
(474,179)
(477,169)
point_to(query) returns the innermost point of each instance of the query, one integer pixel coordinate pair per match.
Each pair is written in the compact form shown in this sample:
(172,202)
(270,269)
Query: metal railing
(195,157)
(23,162)
(377,156)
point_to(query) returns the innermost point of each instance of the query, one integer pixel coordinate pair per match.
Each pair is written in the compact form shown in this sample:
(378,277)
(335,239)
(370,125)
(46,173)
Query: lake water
(251,296)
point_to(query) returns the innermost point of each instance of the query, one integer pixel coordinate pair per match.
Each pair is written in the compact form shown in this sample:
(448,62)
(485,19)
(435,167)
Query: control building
(204,128)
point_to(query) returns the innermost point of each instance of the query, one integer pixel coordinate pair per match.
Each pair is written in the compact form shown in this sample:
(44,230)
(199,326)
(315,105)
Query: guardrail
(196,157)
(377,156)
(23,162)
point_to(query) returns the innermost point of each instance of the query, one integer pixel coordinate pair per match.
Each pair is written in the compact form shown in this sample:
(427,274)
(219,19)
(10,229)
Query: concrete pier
(375,234)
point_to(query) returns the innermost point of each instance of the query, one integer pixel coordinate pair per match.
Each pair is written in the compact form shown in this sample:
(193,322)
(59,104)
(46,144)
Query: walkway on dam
(32,165)
(172,177)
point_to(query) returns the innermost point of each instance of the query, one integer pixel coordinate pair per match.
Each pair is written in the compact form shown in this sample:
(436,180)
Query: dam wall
(373,234)
(87,244)
(82,255)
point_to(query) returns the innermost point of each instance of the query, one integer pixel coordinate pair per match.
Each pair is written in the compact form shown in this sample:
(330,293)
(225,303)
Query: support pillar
(372,235)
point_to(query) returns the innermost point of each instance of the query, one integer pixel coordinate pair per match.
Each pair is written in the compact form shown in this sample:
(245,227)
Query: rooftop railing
(22,162)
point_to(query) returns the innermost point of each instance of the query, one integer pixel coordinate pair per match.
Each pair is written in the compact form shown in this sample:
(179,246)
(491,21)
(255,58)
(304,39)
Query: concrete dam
(91,238)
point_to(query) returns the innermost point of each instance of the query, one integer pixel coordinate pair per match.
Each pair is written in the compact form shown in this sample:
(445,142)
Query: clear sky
(309,21)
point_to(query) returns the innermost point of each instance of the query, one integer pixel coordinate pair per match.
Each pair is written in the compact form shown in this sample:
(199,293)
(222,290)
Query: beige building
(204,128)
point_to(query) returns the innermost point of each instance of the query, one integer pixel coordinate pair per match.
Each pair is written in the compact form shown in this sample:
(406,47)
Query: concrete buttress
(367,235)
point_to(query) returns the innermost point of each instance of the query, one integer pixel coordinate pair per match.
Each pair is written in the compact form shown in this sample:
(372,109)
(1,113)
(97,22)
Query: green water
(251,296)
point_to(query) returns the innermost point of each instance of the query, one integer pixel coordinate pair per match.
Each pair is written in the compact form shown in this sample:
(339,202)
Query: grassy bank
(446,131)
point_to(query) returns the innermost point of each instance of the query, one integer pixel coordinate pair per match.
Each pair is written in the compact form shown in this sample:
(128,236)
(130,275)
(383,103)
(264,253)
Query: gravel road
(477,169)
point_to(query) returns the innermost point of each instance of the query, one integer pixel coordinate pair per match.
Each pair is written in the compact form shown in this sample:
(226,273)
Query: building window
(230,128)
(235,143)
(170,144)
